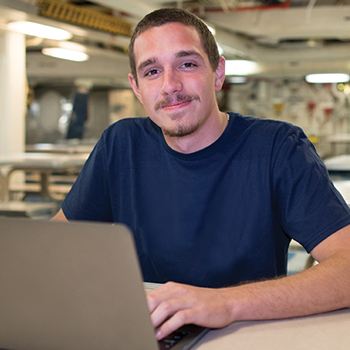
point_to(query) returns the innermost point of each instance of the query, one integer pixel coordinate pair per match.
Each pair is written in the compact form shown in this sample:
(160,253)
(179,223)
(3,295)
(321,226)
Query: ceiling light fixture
(327,78)
(241,67)
(40,30)
(236,80)
(65,54)
(220,49)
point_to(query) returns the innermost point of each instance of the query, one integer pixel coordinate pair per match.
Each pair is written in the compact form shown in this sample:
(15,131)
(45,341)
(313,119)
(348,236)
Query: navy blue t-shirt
(216,217)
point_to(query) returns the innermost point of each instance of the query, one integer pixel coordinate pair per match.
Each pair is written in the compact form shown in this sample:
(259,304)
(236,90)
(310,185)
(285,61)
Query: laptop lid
(72,286)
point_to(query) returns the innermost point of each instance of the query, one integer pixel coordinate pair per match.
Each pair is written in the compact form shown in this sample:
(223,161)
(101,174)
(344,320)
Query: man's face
(176,83)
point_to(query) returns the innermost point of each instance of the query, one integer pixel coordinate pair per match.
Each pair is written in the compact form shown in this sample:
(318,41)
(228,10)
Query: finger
(167,309)
(165,292)
(155,298)
(179,319)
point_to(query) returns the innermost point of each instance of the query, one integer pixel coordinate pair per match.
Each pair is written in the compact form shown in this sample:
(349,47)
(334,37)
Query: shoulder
(265,132)
(252,123)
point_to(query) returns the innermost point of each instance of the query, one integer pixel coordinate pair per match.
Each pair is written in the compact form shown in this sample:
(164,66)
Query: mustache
(178,98)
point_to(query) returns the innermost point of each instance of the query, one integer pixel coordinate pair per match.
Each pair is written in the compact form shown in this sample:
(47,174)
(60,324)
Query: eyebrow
(187,53)
(146,63)
(179,54)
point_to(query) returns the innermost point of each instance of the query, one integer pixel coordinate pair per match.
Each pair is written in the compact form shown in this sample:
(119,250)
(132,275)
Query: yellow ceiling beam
(83,17)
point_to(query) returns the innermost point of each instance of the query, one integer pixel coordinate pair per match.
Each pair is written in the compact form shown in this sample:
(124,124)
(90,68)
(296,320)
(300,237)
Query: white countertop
(322,332)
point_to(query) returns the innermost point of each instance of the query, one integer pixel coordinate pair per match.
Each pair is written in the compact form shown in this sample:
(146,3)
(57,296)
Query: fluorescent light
(240,67)
(69,45)
(65,54)
(40,30)
(220,49)
(236,80)
(327,78)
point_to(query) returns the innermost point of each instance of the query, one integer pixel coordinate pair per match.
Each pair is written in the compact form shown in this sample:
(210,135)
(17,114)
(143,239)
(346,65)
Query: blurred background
(270,45)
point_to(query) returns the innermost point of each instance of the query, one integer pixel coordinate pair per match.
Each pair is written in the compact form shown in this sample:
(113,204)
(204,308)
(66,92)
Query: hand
(173,305)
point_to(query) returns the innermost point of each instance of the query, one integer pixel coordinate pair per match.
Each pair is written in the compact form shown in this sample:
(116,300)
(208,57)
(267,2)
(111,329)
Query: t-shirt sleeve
(309,207)
(89,198)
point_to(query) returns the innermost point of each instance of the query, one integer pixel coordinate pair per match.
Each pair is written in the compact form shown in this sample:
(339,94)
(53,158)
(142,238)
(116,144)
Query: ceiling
(287,38)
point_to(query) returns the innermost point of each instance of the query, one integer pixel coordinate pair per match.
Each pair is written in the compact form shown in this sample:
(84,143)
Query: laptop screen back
(71,286)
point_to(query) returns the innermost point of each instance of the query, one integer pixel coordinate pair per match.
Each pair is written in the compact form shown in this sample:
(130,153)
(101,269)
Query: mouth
(176,105)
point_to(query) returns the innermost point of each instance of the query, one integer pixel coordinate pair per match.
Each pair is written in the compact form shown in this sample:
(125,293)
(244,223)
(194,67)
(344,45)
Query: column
(12,96)
(12,92)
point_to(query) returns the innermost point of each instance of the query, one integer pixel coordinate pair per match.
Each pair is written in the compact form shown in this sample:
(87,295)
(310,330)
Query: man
(213,199)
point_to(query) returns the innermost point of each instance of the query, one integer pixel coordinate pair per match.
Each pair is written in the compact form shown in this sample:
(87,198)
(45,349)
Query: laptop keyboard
(171,340)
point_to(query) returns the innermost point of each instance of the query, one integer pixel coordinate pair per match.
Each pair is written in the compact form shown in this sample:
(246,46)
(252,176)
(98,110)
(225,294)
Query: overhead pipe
(284,5)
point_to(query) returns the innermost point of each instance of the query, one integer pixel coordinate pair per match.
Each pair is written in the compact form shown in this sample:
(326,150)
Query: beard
(180,129)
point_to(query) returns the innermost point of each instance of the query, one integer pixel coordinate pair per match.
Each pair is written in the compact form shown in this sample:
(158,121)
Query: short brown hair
(170,15)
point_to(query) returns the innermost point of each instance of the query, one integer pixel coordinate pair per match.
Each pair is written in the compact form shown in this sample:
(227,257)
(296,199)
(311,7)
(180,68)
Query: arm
(59,216)
(322,288)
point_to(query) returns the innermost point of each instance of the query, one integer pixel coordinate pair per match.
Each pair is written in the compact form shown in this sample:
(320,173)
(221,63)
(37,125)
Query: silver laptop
(75,286)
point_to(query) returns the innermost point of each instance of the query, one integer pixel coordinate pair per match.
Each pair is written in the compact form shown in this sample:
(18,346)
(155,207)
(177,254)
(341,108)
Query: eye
(151,72)
(189,65)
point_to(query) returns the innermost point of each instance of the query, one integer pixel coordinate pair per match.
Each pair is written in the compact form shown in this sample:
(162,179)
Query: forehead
(167,39)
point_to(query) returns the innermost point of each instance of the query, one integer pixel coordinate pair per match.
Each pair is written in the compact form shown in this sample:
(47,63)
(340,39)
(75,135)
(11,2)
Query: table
(30,210)
(44,163)
(339,138)
(339,163)
(321,332)
(60,148)
(342,139)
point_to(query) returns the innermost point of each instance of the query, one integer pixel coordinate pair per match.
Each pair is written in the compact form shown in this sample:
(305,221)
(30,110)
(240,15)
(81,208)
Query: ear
(220,74)
(134,86)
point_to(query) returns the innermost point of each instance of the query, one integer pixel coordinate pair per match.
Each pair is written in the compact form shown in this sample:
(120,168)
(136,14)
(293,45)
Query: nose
(171,82)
